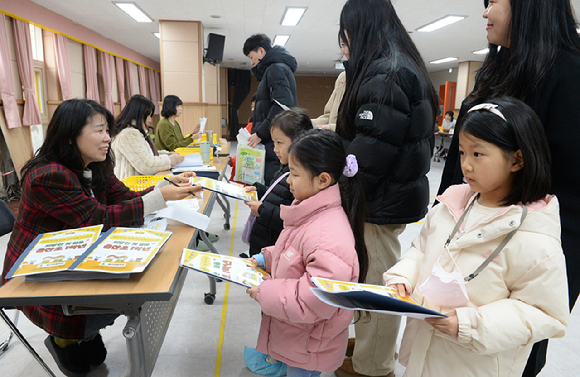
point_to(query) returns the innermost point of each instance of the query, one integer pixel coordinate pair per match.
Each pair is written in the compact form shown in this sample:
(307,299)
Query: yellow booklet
(55,251)
(236,270)
(374,298)
(80,254)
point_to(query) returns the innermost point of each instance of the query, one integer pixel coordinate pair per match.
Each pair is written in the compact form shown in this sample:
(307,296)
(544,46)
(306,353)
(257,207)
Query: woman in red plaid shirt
(69,184)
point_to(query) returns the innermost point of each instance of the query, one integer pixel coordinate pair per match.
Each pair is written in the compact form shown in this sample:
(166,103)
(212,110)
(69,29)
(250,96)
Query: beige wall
(181,47)
(312,91)
(438,78)
(465,80)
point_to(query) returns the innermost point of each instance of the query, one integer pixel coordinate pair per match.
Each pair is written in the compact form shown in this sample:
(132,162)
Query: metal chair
(6,225)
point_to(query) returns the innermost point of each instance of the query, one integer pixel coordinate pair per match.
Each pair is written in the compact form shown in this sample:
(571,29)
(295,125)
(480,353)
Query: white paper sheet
(190,160)
(202,122)
(177,211)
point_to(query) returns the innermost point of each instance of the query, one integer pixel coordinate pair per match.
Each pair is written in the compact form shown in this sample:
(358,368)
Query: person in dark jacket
(285,128)
(274,67)
(535,57)
(386,118)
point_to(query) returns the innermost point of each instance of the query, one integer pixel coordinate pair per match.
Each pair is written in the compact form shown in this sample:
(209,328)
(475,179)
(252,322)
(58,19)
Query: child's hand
(250,188)
(254,206)
(448,325)
(253,292)
(401,288)
(254,262)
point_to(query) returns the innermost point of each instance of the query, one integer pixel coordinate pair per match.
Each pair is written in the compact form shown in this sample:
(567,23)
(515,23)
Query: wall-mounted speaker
(215,48)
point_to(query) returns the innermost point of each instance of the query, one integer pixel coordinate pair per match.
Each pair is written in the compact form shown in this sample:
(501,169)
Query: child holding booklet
(323,236)
(489,256)
(69,184)
(285,128)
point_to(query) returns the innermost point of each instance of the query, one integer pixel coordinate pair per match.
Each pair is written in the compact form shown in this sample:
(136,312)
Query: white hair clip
(489,107)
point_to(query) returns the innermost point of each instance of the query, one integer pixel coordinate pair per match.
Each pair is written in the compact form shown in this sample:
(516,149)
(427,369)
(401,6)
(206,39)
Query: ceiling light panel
(280,40)
(438,24)
(444,60)
(292,16)
(483,51)
(134,11)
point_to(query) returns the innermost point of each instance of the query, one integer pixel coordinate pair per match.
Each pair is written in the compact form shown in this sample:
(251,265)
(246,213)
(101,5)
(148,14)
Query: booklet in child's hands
(374,298)
(228,189)
(236,270)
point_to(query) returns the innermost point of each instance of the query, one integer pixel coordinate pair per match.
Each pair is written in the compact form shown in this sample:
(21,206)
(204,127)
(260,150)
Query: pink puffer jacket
(297,328)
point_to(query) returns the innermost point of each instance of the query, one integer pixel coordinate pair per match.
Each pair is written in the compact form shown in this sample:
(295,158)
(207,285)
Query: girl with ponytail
(323,236)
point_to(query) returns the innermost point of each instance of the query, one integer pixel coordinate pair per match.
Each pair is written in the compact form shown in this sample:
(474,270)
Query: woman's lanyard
(496,251)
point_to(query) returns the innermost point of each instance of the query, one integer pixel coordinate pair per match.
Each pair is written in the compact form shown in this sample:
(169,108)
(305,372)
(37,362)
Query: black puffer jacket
(276,75)
(269,224)
(392,146)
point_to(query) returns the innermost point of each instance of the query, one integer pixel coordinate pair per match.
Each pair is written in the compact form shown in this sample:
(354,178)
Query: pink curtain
(62,65)
(130,73)
(6,83)
(120,80)
(142,80)
(23,48)
(154,89)
(107,64)
(91,73)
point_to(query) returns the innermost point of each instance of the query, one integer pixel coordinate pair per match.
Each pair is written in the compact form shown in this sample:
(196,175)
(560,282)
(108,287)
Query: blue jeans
(299,372)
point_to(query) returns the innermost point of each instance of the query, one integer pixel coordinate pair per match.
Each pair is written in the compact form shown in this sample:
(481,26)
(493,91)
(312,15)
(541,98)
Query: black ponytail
(320,151)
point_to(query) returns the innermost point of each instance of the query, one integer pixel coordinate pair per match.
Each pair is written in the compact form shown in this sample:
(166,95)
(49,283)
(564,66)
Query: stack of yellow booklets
(374,298)
(227,189)
(236,270)
(85,253)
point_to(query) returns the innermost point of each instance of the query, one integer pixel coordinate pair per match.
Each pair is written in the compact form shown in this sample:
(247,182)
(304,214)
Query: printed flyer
(374,298)
(233,269)
(122,250)
(228,189)
(56,251)
(250,163)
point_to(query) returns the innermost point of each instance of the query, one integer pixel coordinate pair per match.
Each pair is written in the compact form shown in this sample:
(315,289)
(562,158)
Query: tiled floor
(208,341)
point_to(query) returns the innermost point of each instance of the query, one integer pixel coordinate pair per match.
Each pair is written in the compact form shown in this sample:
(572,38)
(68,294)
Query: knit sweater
(169,136)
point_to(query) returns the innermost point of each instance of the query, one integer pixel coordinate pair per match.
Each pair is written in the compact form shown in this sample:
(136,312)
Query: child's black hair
(292,123)
(522,131)
(320,151)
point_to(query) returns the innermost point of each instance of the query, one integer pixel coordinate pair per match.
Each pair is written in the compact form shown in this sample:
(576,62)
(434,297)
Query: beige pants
(376,340)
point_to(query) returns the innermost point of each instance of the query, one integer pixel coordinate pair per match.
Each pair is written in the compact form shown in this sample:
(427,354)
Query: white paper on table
(154,222)
(176,211)
(192,204)
(202,122)
(190,160)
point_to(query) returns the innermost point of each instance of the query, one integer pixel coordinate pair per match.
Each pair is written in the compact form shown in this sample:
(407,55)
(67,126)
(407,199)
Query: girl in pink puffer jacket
(322,237)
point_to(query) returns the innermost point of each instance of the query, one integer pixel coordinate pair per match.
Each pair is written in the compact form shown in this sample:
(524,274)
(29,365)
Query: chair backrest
(6,219)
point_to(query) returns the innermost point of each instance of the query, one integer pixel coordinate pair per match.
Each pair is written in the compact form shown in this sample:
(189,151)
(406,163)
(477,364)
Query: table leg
(27,345)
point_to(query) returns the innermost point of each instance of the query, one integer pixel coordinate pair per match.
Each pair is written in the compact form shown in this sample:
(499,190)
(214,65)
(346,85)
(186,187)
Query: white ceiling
(313,41)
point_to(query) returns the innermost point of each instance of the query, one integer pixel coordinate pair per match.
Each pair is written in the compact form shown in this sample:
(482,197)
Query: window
(37,45)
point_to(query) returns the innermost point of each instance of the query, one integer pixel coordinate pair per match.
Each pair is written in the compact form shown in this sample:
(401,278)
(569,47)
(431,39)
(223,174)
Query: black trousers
(537,358)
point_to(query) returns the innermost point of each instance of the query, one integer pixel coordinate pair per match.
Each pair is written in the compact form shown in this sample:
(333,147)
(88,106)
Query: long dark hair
(134,114)
(60,145)
(320,151)
(292,122)
(375,32)
(522,130)
(538,30)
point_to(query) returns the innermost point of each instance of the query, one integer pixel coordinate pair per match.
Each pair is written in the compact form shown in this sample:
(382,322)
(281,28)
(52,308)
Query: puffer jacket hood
(276,54)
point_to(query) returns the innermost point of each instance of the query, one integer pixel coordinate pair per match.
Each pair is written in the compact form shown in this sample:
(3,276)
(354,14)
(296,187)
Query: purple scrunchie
(351,166)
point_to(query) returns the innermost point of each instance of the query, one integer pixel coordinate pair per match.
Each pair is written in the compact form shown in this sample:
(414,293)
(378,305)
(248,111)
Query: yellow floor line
(218,360)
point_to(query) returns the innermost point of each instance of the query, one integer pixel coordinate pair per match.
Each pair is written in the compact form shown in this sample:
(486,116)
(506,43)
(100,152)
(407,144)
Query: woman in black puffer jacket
(385,119)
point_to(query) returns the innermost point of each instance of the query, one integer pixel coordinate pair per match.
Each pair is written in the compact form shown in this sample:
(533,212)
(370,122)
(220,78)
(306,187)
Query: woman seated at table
(70,184)
(448,121)
(135,152)
(168,135)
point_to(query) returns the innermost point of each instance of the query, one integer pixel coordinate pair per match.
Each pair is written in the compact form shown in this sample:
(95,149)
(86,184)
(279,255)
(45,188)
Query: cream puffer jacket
(133,155)
(517,300)
(331,107)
